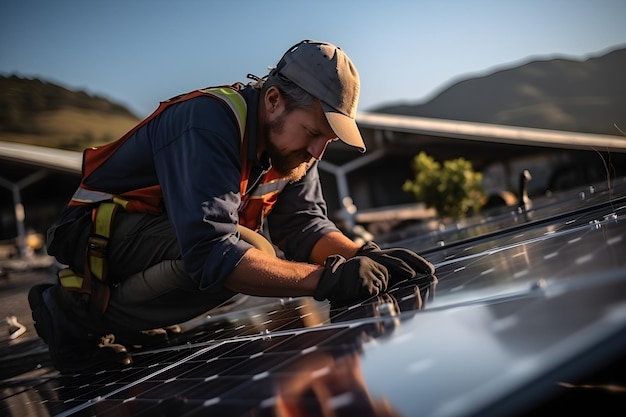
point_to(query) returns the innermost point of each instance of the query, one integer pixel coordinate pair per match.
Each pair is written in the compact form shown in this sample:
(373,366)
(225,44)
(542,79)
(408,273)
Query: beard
(289,164)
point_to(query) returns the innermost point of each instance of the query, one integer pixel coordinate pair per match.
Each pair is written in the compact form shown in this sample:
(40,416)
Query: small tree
(453,189)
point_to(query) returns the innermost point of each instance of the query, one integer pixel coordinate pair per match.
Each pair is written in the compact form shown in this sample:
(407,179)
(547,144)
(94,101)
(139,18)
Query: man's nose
(317,148)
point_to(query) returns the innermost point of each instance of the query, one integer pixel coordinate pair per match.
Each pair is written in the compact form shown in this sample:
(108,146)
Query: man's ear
(273,99)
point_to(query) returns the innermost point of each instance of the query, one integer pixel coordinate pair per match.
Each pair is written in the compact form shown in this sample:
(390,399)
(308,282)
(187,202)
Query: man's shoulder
(203,107)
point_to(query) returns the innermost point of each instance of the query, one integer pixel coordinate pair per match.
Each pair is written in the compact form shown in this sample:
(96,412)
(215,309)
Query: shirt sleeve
(196,154)
(299,218)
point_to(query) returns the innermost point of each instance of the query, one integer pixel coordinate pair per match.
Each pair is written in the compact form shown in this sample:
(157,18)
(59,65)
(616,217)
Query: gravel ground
(25,356)
(14,300)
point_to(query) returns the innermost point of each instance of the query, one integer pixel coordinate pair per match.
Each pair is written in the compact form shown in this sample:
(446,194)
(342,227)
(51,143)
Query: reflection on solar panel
(527,308)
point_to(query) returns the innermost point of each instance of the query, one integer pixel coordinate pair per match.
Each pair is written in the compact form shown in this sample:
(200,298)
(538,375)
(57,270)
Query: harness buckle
(97,245)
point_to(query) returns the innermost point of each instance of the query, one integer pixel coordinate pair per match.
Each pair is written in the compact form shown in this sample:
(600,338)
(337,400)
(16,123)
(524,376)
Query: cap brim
(344,127)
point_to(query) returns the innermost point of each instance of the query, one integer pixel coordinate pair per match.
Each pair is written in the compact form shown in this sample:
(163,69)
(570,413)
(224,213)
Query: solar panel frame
(519,300)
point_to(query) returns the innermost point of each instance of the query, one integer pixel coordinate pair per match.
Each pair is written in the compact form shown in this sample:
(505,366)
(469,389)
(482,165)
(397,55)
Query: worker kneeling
(164,225)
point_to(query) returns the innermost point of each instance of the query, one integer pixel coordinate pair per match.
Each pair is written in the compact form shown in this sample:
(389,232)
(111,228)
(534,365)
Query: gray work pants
(152,289)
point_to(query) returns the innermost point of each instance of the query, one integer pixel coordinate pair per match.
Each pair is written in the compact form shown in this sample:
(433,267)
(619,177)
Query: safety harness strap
(70,280)
(97,243)
(95,292)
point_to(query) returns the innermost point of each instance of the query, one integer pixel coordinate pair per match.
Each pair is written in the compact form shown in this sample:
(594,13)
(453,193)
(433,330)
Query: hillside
(37,112)
(583,96)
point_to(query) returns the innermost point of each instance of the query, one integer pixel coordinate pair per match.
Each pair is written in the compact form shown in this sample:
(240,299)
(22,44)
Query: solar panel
(523,304)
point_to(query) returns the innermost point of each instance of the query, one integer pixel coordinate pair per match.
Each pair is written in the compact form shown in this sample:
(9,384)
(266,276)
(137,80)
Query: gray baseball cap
(325,71)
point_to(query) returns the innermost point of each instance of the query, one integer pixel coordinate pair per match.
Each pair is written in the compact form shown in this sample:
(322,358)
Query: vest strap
(93,285)
(94,294)
(97,243)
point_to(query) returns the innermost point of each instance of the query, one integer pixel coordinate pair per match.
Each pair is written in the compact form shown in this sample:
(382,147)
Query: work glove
(401,263)
(351,279)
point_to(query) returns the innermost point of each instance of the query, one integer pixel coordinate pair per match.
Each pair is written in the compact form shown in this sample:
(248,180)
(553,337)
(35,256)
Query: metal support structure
(16,188)
(341,177)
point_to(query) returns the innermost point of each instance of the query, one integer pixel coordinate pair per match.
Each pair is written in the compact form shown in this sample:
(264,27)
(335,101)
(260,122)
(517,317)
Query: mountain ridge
(586,95)
(39,112)
(563,94)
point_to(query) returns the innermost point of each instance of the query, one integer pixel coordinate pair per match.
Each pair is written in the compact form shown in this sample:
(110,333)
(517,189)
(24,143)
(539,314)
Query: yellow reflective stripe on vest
(272,187)
(236,103)
(90,196)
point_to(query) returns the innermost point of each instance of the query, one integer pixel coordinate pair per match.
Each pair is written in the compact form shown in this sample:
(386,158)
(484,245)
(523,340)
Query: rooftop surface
(527,313)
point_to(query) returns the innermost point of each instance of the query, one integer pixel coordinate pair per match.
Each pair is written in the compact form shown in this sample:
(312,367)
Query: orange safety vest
(255,206)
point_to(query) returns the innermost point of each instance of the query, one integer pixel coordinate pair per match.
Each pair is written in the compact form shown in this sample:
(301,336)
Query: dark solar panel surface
(521,303)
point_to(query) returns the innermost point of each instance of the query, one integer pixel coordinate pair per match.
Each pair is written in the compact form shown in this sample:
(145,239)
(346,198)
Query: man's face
(296,138)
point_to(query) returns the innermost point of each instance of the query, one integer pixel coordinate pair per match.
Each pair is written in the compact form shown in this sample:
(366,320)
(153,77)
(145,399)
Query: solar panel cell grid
(507,313)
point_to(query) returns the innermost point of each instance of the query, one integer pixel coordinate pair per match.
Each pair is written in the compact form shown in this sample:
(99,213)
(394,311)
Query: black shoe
(72,348)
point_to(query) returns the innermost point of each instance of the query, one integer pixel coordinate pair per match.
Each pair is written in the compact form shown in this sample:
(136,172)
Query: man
(162,227)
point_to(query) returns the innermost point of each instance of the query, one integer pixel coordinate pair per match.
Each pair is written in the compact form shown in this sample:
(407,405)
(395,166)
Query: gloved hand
(401,263)
(355,278)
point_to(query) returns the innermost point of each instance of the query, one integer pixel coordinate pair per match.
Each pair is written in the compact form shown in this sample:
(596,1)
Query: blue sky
(140,52)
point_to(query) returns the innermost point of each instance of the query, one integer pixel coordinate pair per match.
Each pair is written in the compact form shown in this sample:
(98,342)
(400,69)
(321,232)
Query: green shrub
(454,189)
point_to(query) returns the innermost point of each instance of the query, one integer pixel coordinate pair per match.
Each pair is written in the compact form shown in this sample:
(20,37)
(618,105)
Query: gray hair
(295,97)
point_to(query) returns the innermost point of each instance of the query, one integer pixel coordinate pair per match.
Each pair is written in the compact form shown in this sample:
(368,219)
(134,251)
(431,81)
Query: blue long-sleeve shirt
(192,150)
